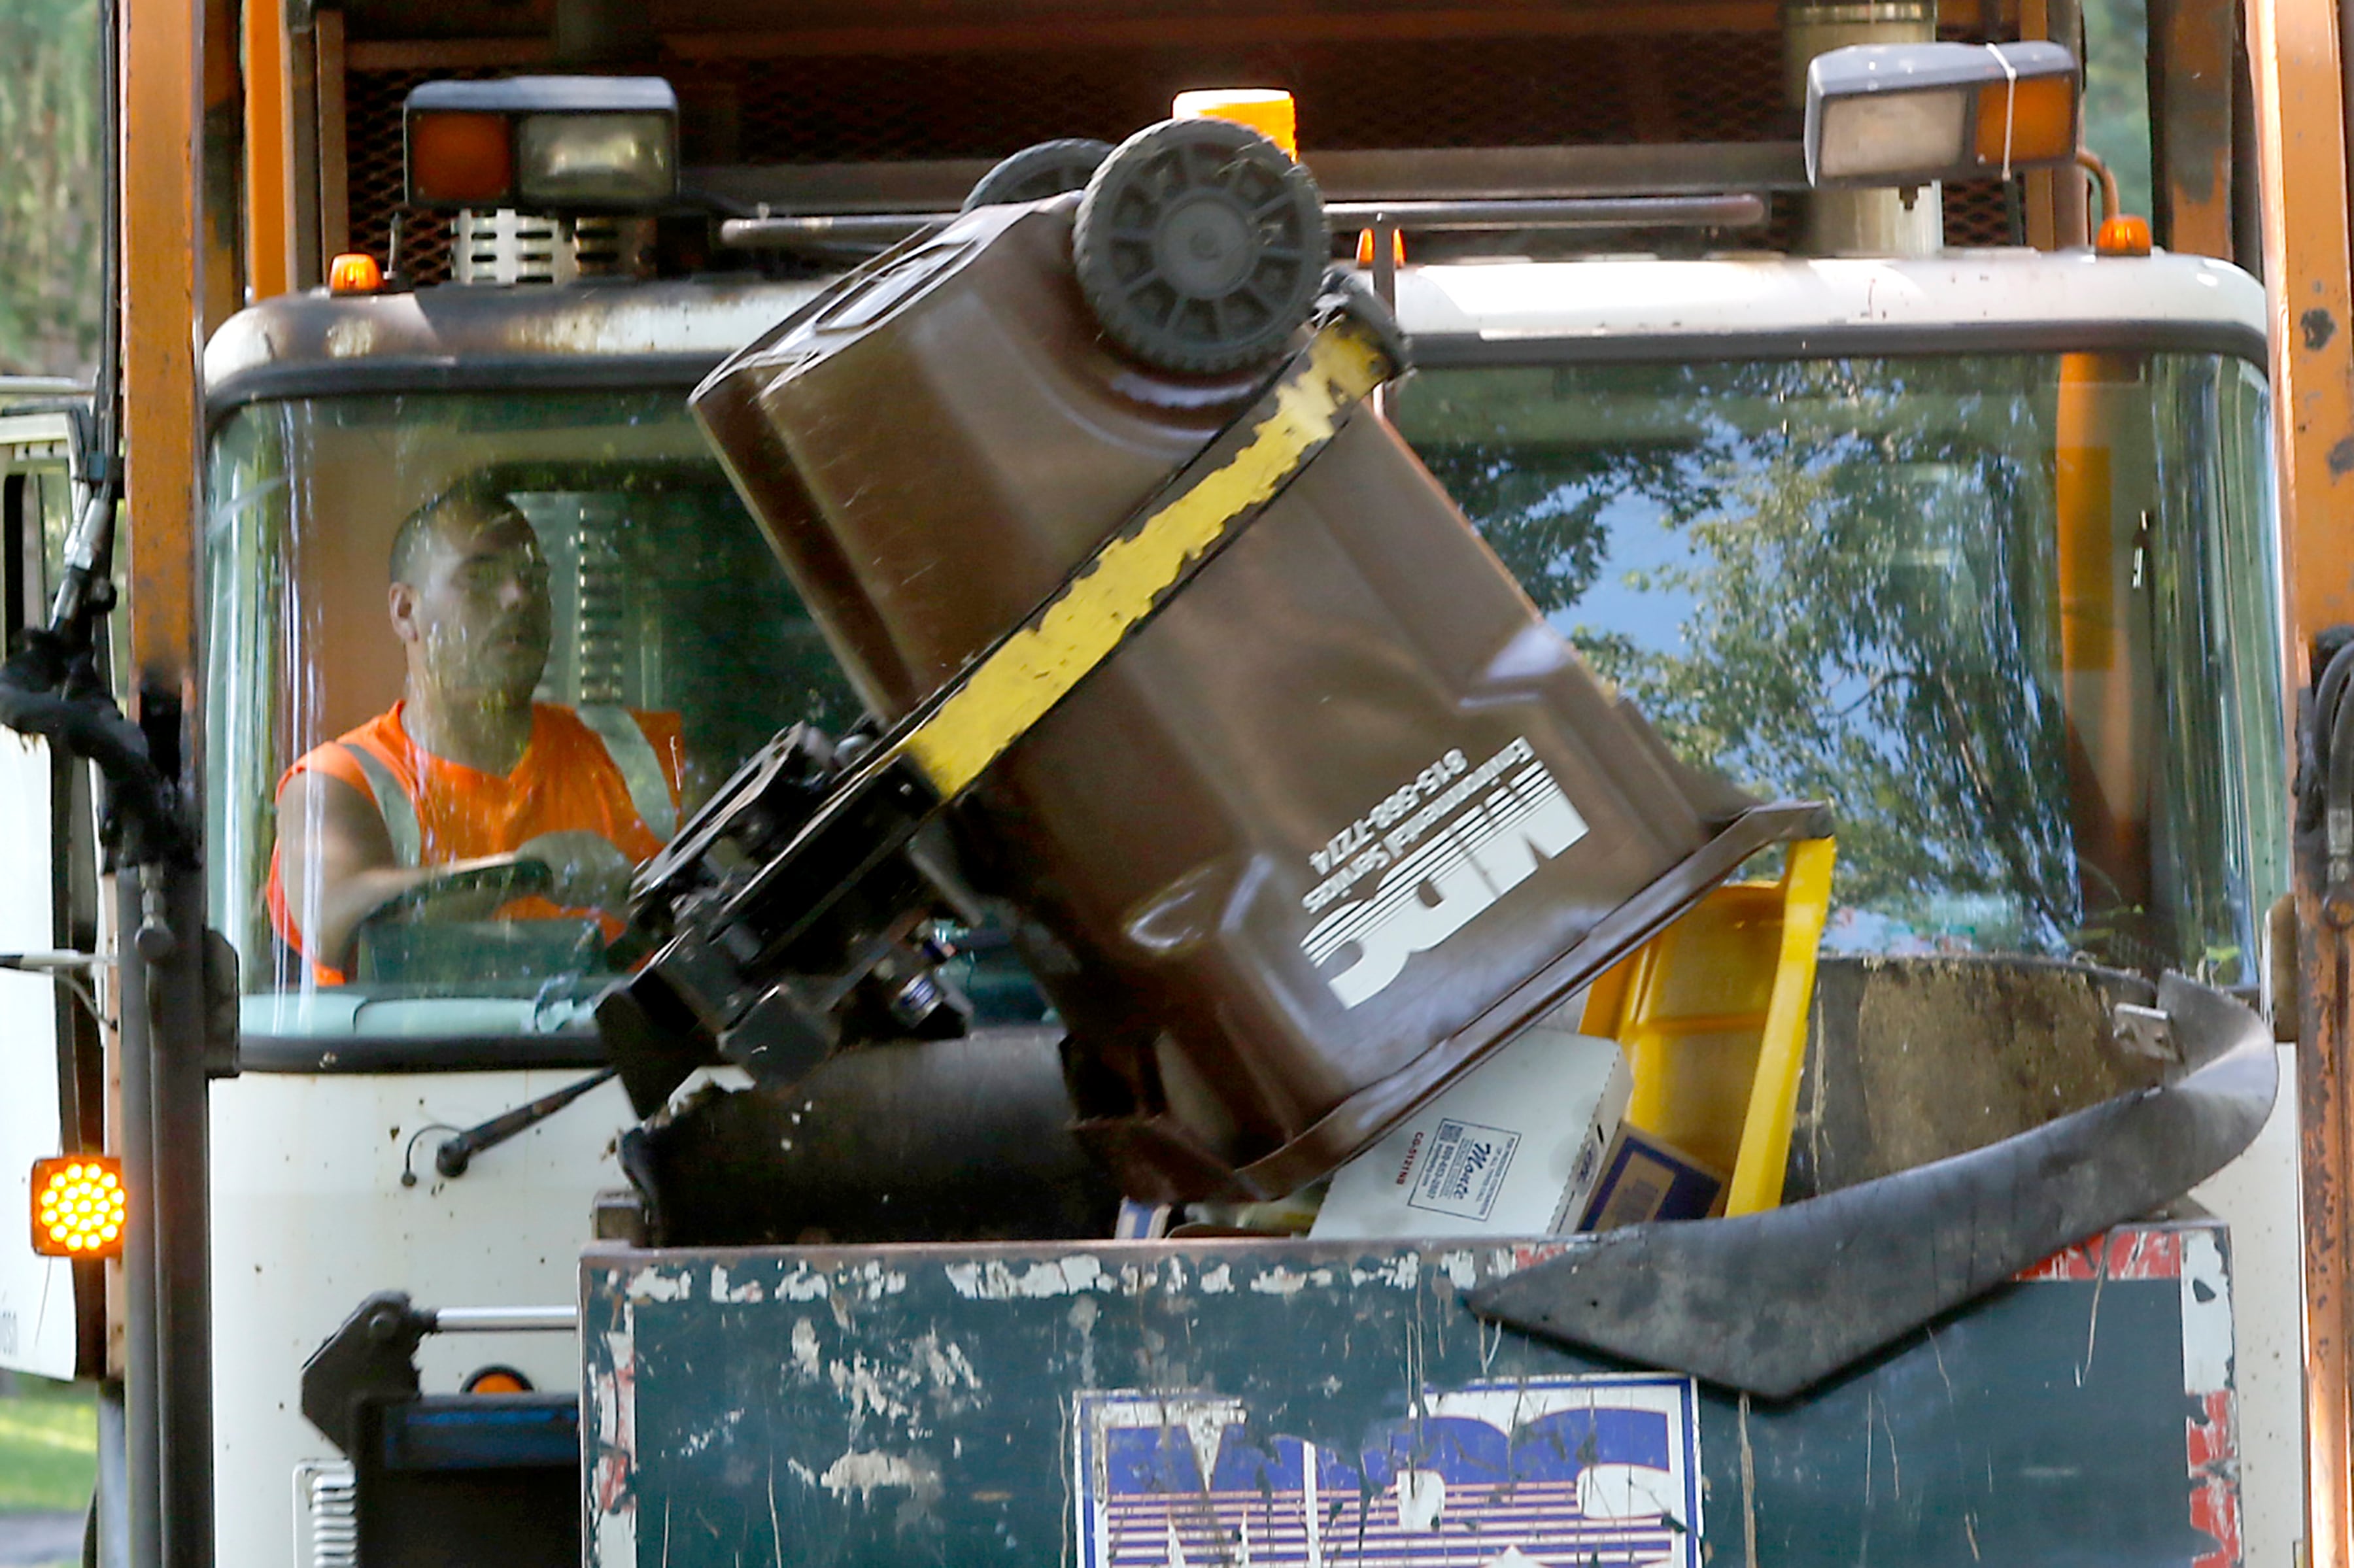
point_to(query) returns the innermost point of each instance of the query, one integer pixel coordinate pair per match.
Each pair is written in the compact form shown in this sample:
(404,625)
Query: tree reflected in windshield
(1951,596)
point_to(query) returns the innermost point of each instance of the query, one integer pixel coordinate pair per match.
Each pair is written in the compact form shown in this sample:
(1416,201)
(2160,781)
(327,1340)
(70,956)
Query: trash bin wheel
(1034,174)
(1200,246)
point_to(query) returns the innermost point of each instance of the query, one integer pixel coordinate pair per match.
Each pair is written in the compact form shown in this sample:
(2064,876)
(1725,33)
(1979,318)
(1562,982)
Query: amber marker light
(1365,248)
(1266,110)
(495,1379)
(79,1209)
(456,157)
(2124,235)
(2031,121)
(355,273)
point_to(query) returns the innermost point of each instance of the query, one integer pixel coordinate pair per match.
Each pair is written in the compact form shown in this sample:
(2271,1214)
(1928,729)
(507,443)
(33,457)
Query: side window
(35,510)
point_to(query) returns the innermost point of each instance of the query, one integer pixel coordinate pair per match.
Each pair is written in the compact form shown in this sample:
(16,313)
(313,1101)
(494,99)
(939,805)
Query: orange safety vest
(611,770)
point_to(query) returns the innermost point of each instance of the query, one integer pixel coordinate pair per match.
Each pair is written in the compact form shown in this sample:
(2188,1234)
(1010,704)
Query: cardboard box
(1645,1179)
(1513,1148)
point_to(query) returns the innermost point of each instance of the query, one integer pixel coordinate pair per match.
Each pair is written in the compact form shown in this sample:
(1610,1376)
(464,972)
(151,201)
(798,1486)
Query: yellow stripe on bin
(1757,1182)
(1033,670)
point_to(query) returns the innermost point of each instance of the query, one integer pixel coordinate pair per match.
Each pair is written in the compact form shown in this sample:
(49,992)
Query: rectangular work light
(1881,115)
(544,143)
(79,1208)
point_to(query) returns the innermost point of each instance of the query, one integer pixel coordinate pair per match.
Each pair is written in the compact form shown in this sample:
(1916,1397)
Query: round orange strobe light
(79,1208)
(355,273)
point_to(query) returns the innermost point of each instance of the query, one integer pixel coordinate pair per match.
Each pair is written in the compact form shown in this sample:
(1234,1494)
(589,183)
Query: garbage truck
(1978,537)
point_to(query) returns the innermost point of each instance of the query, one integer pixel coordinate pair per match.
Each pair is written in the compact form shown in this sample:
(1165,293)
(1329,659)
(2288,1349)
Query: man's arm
(336,864)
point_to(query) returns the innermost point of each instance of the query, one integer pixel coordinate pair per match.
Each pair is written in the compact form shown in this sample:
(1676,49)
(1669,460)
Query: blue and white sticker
(1600,1472)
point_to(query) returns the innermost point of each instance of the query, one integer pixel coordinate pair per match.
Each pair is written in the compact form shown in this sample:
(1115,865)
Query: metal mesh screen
(1471,93)
(371,100)
(1686,87)
(1981,213)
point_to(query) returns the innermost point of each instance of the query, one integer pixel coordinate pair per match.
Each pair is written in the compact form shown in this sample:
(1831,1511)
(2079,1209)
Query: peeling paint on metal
(804,1285)
(805,1348)
(1282,1281)
(1462,1269)
(1217,1280)
(1083,1323)
(1401,1273)
(993,1281)
(721,1291)
(945,1362)
(655,1284)
(2206,1316)
(865,1473)
(861,1383)
(614,1397)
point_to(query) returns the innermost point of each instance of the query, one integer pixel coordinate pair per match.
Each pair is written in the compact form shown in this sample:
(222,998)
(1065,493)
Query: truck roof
(452,338)
(1782,305)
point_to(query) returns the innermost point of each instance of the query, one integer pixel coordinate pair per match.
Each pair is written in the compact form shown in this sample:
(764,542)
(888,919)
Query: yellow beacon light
(1266,110)
(79,1206)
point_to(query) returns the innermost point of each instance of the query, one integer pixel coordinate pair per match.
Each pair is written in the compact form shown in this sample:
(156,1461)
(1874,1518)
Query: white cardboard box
(1512,1149)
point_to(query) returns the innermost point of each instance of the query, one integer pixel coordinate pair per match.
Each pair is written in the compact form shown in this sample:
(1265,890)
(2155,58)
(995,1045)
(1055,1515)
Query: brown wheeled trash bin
(1345,816)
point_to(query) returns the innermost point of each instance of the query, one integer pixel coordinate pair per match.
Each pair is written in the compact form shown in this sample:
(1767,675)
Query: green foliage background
(49,187)
(2117,94)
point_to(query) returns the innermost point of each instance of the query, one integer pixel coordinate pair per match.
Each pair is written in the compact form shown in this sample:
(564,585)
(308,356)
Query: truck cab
(1977,544)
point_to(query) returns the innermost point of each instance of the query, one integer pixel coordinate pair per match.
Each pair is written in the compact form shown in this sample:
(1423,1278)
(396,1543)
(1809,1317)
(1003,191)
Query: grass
(48,1447)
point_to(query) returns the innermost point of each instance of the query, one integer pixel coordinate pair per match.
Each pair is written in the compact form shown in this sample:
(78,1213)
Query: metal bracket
(371,1357)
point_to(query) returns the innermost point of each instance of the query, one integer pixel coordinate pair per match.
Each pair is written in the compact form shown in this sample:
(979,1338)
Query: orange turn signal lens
(461,157)
(2037,115)
(1266,110)
(495,1379)
(355,273)
(79,1208)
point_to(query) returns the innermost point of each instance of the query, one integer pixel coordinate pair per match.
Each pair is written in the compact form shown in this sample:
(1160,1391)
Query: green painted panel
(1115,1404)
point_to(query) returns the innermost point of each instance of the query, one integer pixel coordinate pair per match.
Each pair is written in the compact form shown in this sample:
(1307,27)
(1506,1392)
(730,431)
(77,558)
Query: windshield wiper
(454,1154)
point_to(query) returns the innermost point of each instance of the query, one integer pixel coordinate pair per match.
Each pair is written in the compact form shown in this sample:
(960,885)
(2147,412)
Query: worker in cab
(468,800)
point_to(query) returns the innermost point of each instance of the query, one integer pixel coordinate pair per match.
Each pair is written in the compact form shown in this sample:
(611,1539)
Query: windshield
(470,624)
(2014,616)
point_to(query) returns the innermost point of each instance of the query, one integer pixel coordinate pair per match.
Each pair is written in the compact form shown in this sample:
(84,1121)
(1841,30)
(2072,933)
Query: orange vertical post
(268,150)
(2295,47)
(162,164)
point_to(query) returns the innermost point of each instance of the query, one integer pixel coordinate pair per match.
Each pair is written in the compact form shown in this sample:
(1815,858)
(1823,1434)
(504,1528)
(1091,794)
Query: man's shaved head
(468,501)
(468,598)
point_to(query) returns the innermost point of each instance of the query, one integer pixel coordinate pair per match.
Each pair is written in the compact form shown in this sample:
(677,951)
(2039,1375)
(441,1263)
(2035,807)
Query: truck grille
(326,1515)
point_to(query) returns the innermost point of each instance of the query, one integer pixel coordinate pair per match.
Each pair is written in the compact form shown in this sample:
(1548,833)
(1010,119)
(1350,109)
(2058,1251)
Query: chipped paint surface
(996,1281)
(875,1407)
(1401,1273)
(722,1290)
(656,1285)
(1282,1281)
(2206,1316)
(862,1473)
